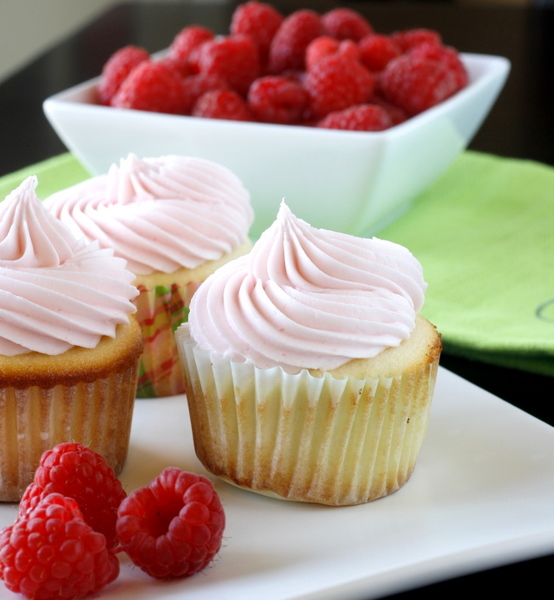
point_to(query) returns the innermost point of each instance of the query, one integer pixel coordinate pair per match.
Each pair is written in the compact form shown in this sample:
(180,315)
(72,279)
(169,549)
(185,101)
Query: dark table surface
(521,125)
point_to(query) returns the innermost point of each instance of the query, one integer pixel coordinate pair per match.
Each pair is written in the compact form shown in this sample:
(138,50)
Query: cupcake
(69,345)
(309,374)
(175,220)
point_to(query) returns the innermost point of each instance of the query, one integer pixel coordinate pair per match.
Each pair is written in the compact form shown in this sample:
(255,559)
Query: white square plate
(481,496)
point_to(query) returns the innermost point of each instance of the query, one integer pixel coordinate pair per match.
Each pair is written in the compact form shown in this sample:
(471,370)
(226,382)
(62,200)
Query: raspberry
(234,59)
(116,70)
(337,82)
(416,84)
(186,41)
(182,68)
(222,104)
(325,46)
(318,48)
(79,473)
(4,541)
(293,75)
(174,526)
(51,552)
(346,24)
(197,85)
(152,86)
(194,58)
(410,38)
(275,99)
(288,47)
(258,20)
(448,56)
(376,51)
(365,117)
(396,114)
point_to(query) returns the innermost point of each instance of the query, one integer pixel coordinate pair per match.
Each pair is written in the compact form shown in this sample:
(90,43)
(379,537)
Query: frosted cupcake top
(160,214)
(56,292)
(308,298)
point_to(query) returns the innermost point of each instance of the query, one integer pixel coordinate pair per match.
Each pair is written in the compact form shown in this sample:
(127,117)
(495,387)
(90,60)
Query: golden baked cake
(69,344)
(174,219)
(309,374)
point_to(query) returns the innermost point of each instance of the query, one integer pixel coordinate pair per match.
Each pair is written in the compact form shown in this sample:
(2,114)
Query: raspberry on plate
(275,99)
(235,59)
(258,20)
(116,70)
(346,24)
(152,86)
(288,47)
(173,527)
(222,104)
(365,117)
(337,82)
(79,473)
(50,552)
(416,84)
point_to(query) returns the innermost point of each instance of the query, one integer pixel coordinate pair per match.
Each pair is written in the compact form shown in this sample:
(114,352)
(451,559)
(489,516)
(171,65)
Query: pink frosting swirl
(55,291)
(308,298)
(159,214)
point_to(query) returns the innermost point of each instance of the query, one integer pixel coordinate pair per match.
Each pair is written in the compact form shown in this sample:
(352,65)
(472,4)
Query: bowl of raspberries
(345,123)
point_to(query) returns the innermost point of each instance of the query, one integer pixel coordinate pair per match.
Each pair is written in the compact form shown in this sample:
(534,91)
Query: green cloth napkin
(484,234)
(53,175)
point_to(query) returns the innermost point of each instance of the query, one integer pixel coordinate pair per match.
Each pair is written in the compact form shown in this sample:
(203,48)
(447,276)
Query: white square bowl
(355,182)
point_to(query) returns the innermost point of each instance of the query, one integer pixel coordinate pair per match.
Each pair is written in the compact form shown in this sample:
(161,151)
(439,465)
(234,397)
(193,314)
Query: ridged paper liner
(300,437)
(97,414)
(160,311)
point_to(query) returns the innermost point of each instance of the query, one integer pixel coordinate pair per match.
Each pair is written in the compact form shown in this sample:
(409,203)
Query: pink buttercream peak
(29,235)
(159,214)
(129,181)
(308,298)
(56,291)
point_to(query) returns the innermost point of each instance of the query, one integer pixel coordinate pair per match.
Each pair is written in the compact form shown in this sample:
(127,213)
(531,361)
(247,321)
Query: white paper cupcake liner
(97,414)
(300,437)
